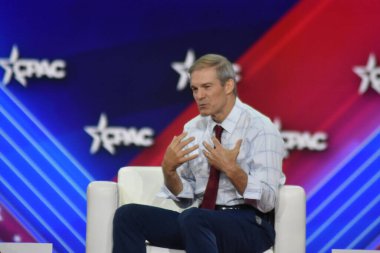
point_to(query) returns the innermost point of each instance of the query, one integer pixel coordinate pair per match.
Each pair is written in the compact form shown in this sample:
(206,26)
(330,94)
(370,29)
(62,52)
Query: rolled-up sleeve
(265,169)
(186,197)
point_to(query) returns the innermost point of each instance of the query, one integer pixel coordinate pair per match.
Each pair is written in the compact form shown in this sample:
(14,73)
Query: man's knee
(125,213)
(191,217)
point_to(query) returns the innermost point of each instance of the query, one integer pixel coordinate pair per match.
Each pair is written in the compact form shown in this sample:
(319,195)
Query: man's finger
(182,144)
(238,144)
(207,154)
(216,142)
(207,146)
(189,150)
(188,158)
(178,139)
(209,157)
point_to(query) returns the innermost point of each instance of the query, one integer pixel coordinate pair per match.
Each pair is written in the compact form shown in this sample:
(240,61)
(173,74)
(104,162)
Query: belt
(235,207)
(269,217)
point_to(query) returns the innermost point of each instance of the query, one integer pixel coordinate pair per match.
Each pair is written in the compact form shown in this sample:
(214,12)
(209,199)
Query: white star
(369,75)
(9,64)
(237,70)
(182,69)
(17,238)
(96,132)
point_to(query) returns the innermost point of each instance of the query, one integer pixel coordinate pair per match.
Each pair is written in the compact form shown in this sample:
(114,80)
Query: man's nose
(200,94)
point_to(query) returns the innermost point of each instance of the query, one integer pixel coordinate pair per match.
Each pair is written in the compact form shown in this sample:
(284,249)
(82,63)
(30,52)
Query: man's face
(209,94)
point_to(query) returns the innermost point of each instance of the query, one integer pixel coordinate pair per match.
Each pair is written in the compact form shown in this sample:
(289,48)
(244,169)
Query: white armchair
(140,185)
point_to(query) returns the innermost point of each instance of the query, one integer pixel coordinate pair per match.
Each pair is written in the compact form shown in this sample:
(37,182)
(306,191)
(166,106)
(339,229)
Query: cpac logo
(109,137)
(23,69)
(182,69)
(369,74)
(302,140)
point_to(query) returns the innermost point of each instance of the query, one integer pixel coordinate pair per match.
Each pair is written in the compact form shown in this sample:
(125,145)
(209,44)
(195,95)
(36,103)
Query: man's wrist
(232,170)
(167,168)
(238,178)
(172,181)
(168,171)
(170,174)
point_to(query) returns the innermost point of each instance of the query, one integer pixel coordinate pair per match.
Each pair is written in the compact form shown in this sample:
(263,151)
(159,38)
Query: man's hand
(221,158)
(225,160)
(175,154)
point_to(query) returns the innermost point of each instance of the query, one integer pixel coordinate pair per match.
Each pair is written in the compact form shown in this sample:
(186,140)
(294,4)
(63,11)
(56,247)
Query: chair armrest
(102,202)
(291,220)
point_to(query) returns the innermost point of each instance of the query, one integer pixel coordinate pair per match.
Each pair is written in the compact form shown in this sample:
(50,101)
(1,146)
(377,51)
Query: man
(232,178)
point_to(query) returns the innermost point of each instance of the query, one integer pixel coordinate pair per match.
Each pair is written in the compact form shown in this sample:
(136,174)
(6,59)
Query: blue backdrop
(88,86)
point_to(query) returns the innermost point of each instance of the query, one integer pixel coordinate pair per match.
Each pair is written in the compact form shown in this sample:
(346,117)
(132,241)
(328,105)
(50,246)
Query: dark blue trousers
(196,230)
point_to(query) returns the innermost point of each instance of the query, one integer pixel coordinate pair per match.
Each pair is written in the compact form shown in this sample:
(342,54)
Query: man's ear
(229,86)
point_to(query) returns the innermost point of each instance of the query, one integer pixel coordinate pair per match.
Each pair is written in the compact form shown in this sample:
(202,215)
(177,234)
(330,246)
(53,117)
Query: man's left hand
(221,158)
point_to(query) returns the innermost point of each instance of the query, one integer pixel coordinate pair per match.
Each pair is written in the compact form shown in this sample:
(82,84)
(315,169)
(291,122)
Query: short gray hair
(223,66)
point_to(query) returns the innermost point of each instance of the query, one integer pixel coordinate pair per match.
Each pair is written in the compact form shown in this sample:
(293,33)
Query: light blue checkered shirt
(260,156)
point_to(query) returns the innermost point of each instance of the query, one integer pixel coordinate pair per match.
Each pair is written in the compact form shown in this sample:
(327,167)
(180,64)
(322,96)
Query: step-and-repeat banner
(87,88)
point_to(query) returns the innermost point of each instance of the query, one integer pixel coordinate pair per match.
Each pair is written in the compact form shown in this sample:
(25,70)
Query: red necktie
(209,198)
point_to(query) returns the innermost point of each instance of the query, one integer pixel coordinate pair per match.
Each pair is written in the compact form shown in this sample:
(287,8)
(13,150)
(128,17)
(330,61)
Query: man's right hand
(176,155)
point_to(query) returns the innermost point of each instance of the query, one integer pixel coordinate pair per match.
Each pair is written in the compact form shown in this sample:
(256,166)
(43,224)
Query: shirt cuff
(253,189)
(166,193)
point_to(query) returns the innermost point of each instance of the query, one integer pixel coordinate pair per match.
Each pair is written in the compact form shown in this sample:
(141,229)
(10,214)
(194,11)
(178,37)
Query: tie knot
(218,131)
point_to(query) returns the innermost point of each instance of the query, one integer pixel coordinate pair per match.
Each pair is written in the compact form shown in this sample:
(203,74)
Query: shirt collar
(230,122)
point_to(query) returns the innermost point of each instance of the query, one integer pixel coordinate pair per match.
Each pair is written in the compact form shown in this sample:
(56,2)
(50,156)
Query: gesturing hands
(221,158)
(175,154)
